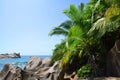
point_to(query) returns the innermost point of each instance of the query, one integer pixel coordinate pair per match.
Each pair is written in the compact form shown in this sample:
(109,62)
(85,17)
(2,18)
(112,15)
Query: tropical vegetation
(89,33)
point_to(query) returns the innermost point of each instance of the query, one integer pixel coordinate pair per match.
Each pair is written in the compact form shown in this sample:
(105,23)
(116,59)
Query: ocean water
(20,62)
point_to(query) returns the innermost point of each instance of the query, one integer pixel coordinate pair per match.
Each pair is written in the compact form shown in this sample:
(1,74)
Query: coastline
(37,68)
(25,74)
(20,62)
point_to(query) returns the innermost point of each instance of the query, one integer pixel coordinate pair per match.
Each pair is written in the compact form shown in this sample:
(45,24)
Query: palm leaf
(66,59)
(62,29)
(102,26)
(66,25)
(59,51)
(81,7)
(58,31)
(73,13)
(96,5)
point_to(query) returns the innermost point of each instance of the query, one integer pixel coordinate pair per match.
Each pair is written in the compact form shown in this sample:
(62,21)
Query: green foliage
(109,23)
(78,41)
(74,33)
(85,71)
(110,2)
(73,13)
(103,26)
(58,31)
(59,51)
(62,29)
(66,25)
(77,33)
(89,24)
(98,9)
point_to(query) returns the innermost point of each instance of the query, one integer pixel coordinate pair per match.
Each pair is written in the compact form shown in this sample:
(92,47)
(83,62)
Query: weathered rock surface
(35,69)
(13,55)
(33,64)
(43,67)
(113,60)
(11,72)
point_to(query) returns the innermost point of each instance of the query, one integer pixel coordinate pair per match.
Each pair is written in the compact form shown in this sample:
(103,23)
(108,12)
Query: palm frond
(96,5)
(108,23)
(66,24)
(74,32)
(81,7)
(62,29)
(102,26)
(72,13)
(66,59)
(59,51)
(58,31)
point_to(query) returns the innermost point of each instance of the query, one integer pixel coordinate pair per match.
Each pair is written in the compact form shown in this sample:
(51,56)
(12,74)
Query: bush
(85,71)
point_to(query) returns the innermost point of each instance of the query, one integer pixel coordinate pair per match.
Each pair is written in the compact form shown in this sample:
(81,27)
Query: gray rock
(35,69)
(52,73)
(38,69)
(11,72)
(33,64)
(113,60)
(12,55)
(30,76)
(43,67)
(46,62)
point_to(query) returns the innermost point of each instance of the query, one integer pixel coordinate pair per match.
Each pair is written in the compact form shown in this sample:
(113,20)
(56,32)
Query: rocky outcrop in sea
(12,55)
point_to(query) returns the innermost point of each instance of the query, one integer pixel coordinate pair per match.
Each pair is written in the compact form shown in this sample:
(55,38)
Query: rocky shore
(44,69)
(12,55)
(35,69)
(40,69)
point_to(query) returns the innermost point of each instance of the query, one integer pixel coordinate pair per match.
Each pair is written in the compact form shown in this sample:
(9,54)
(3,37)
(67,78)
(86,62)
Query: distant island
(11,55)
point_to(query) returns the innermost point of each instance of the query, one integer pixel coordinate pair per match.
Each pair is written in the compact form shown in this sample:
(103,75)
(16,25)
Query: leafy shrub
(85,71)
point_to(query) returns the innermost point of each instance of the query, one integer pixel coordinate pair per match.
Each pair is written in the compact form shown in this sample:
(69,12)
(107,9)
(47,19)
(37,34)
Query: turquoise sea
(17,61)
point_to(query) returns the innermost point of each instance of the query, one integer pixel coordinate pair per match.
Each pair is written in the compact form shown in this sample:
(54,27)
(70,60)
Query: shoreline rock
(41,69)
(11,72)
(12,55)
(35,69)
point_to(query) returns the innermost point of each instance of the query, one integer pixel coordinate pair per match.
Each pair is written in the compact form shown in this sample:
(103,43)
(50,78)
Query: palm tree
(76,41)
(81,39)
(76,32)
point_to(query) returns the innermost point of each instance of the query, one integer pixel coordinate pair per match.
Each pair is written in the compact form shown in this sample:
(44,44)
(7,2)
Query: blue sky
(25,24)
